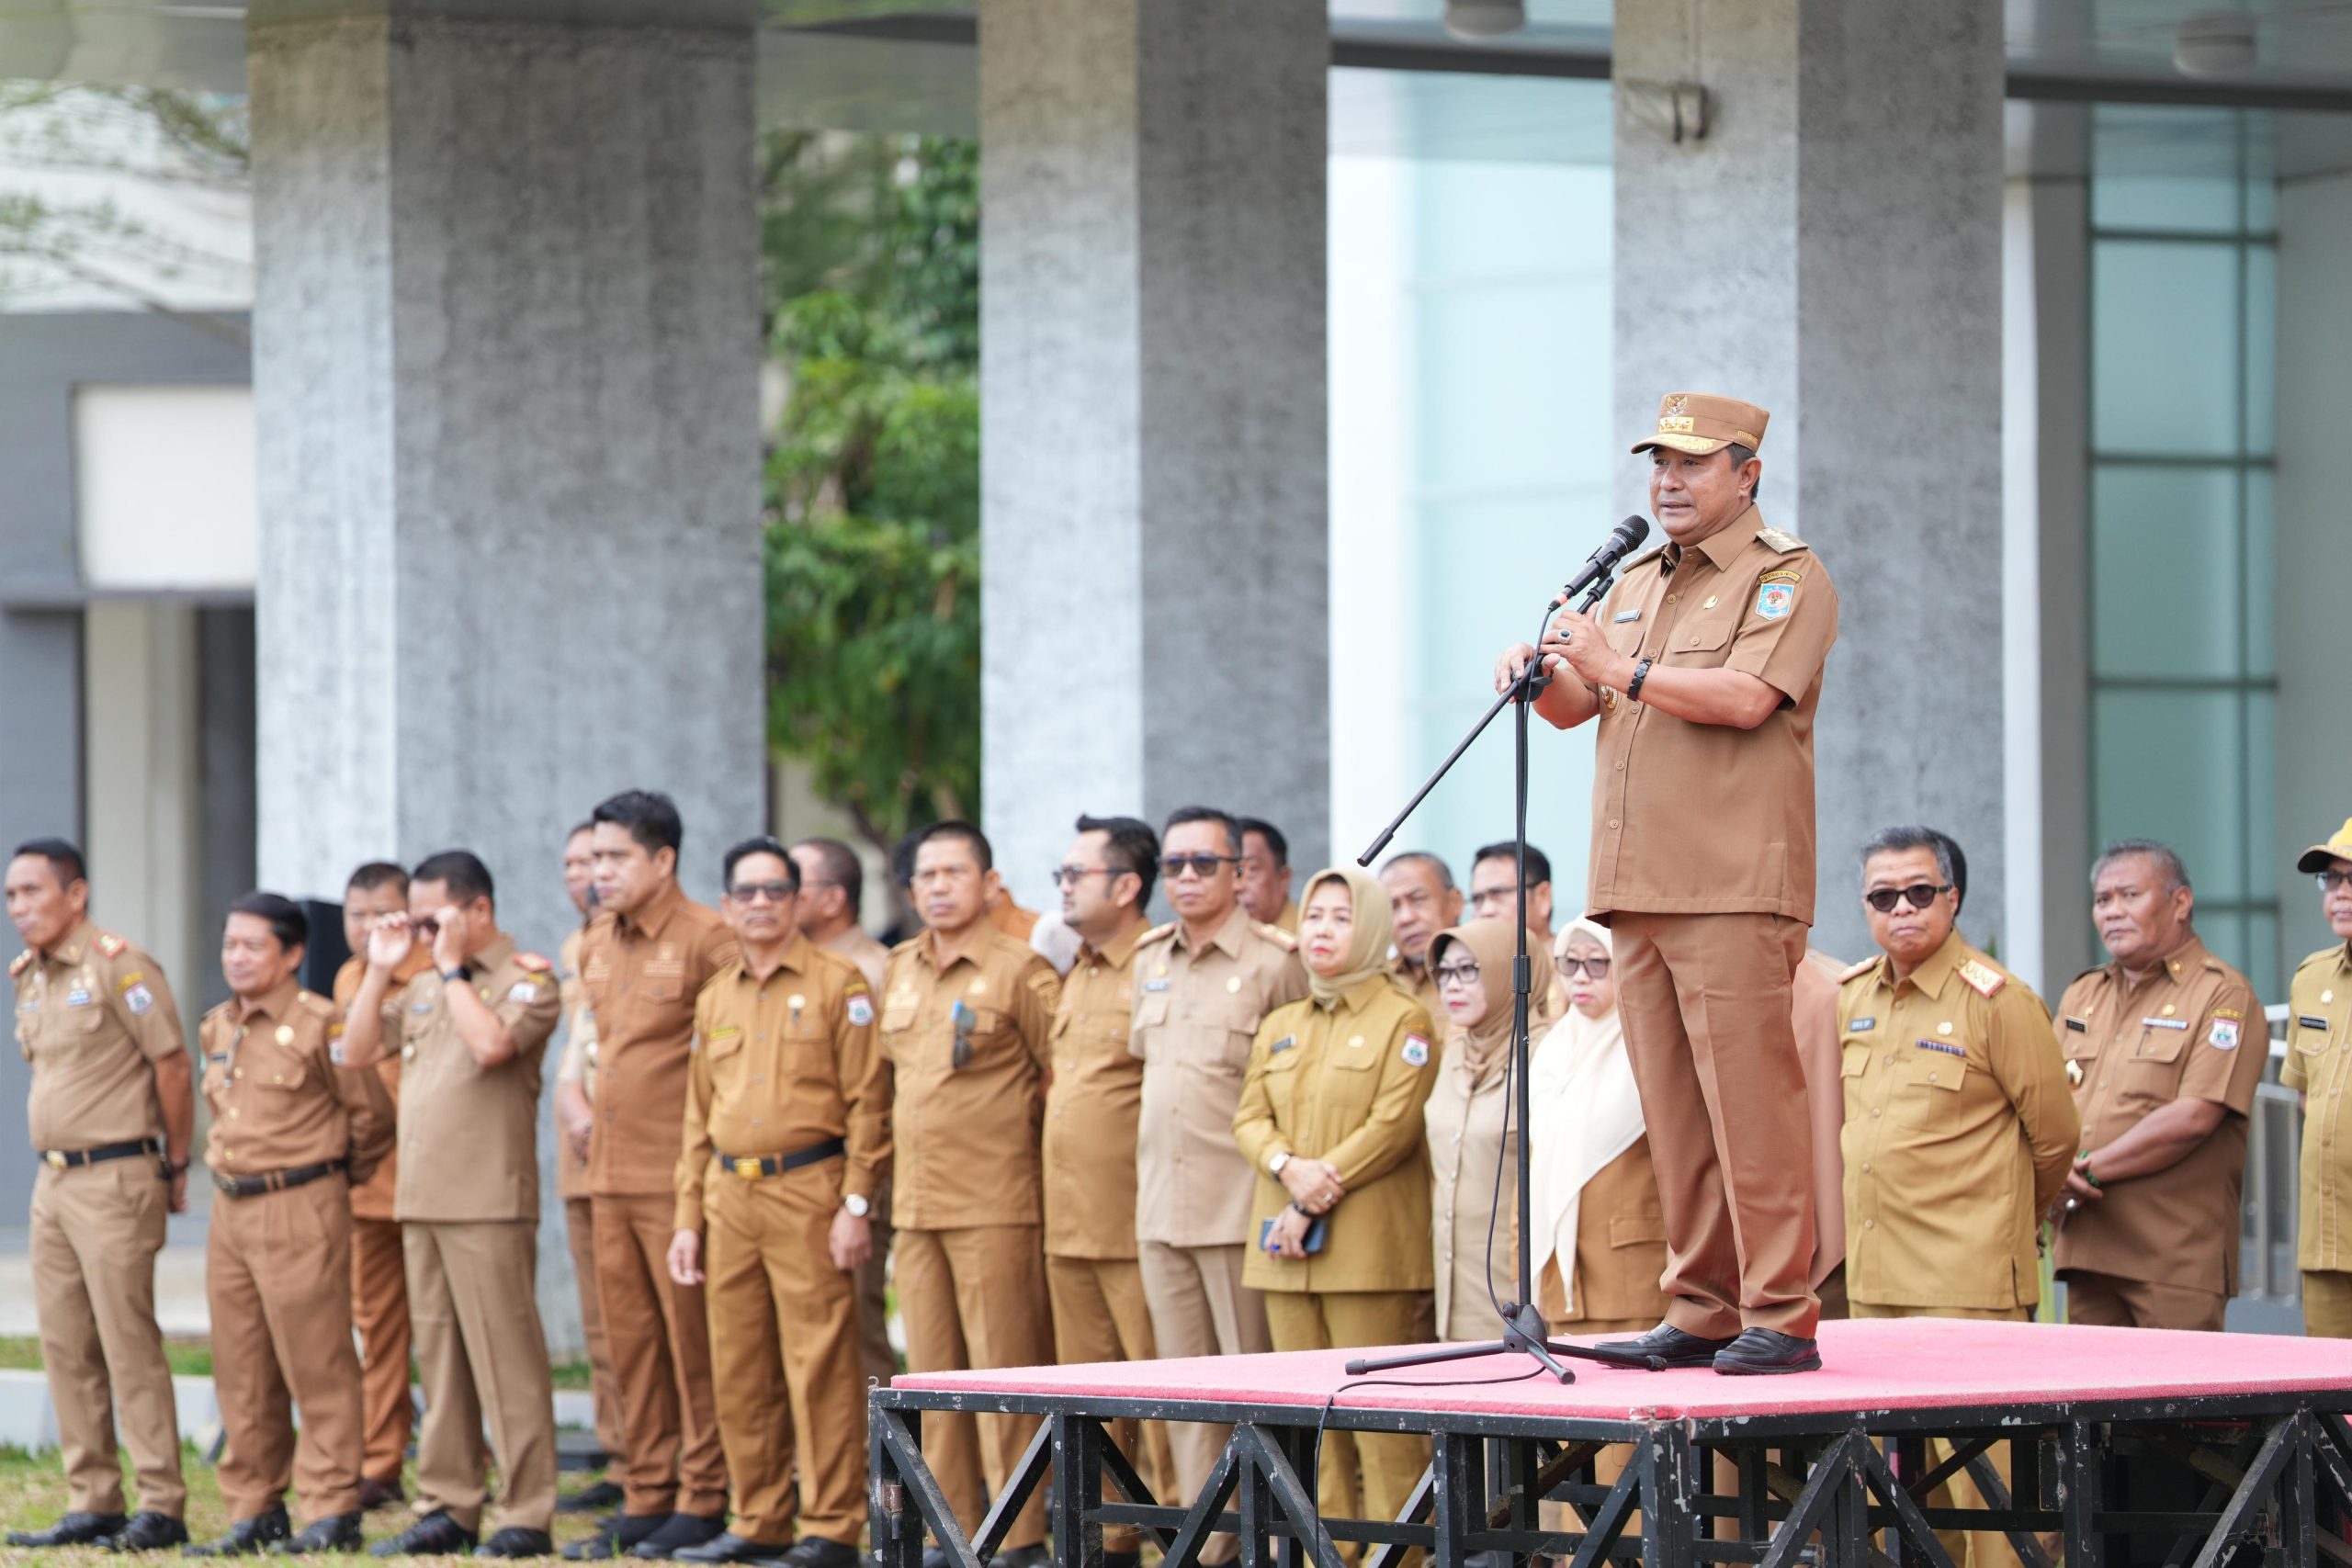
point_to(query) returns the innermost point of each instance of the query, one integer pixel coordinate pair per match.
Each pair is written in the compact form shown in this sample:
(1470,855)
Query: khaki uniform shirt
(2319,1066)
(94,1015)
(1474,1243)
(2193,1029)
(1959,1132)
(967,1136)
(641,973)
(372,1198)
(1196,1012)
(468,1134)
(870,956)
(1344,1084)
(1708,818)
(279,1097)
(1288,919)
(1417,981)
(782,1064)
(1093,1104)
(1621,1248)
(574,1065)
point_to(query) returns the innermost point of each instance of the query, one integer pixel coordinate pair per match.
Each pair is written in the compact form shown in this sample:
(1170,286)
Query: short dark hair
(650,817)
(1133,846)
(63,857)
(585,825)
(286,922)
(2165,859)
(1539,865)
(461,872)
(1421,857)
(843,868)
(1894,841)
(1224,819)
(1266,830)
(1959,859)
(1740,458)
(953,828)
(759,844)
(378,874)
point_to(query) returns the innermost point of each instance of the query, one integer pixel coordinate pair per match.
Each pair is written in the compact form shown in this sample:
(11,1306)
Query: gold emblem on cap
(1676,403)
(286,1034)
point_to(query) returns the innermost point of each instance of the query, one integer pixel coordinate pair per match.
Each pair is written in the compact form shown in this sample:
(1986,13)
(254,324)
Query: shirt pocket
(1152,1025)
(2150,1075)
(1240,1035)
(1282,1080)
(1701,644)
(724,1049)
(1636,1230)
(287,1076)
(1929,1094)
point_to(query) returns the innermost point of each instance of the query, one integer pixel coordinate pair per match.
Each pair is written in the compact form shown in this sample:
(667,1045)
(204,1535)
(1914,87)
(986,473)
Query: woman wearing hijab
(1476,1238)
(1600,1243)
(1330,1117)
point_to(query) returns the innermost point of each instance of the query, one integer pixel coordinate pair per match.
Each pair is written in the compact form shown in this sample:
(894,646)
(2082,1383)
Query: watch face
(856,1205)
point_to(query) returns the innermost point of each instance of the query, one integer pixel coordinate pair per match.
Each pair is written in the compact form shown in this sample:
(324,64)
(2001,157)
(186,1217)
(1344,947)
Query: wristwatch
(456,976)
(1274,1165)
(857,1205)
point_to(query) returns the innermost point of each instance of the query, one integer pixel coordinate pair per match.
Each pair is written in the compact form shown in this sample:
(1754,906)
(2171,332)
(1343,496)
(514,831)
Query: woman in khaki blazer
(1475,1238)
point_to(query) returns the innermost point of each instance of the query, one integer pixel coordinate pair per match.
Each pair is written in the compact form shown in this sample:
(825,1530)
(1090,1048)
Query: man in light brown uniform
(1203,983)
(1424,901)
(788,1129)
(646,953)
(1266,875)
(2164,1046)
(2319,1070)
(1091,1109)
(379,1277)
(470,1034)
(1705,670)
(291,1129)
(111,1114)
(964,1014)
(1958,1128)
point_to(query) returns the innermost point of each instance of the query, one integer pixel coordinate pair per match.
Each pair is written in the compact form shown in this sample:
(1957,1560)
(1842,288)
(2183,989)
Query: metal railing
(2269,1286)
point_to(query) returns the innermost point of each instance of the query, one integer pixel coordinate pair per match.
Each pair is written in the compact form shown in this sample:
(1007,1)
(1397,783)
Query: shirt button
(1870,1224)
(1866,1168)
(1620,767)
(759,1077)
(232,1111)
(1612,821)
(1873,1110)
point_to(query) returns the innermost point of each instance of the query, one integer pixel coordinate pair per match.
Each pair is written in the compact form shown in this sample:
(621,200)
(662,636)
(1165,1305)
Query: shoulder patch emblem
(19,964)
(534,963)
(1856,970)
(1982,978)
(1276,935)
(2223,1037)
(523,993)
(861,1010)
(1785,543)
(1416,1051)
(138,998)
(1775,600)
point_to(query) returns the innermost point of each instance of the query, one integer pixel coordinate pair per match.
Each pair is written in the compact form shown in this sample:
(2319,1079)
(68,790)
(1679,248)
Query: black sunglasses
(1922,894)
(1203,866)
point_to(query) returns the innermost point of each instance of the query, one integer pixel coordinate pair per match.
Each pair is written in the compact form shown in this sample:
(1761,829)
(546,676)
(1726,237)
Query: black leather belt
(66,1159)
(751,1168)
(273,1180)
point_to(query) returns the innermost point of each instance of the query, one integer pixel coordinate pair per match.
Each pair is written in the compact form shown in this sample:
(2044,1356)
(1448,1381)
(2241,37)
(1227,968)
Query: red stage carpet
(1882,1364)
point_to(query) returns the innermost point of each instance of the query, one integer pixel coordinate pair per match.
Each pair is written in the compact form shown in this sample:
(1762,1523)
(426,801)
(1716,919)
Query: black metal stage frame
(1832,1490)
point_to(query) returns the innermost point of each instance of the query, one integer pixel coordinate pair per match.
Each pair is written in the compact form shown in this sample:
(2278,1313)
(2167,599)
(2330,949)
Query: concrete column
(1153,436)
(505,359)
(1831,249)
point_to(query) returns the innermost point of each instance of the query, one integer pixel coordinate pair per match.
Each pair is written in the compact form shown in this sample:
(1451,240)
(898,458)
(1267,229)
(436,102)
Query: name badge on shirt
(1284,1044)
(1862,1026)
(2310,1022)
(77,997)
(1624,616)
(2078,1026)
(2164,1023)
(1155,985)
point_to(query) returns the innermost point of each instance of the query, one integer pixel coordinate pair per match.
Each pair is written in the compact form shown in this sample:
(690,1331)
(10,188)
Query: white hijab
(1584,1114)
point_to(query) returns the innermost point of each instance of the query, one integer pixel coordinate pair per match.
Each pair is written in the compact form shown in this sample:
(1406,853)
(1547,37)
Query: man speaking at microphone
(1704,669)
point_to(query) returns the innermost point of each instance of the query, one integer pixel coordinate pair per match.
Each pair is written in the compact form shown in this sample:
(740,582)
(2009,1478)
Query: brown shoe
(374,1494)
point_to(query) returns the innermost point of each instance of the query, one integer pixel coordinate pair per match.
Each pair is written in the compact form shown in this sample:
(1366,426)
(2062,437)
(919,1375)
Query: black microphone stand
(1523,1328)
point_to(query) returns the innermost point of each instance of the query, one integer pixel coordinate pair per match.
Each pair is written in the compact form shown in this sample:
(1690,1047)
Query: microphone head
(1630,532)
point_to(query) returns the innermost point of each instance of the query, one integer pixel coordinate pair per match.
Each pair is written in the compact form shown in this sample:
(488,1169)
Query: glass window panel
(2164,347)
(2165,203)
(2262,197)
(2261,798)
(2165,168)
(2261,349)
(2221,930)
(2262,963)
(2167,765)
(2165,571)
(2261,574)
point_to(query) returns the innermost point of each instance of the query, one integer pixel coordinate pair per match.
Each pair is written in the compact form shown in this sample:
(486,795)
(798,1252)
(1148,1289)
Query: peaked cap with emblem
(1701,422)
(2338,848)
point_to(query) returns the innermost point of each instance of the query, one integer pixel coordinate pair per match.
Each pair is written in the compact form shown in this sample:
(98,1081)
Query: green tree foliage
(871,247)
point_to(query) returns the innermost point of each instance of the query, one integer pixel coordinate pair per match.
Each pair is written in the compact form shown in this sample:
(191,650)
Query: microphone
(1623,541)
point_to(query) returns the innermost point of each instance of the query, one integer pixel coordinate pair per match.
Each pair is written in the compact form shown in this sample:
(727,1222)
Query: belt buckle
(748,1168)
(56,1158)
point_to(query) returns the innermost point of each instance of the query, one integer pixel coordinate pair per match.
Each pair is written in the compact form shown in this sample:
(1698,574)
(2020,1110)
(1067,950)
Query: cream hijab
(1584,1113)
(1368,938)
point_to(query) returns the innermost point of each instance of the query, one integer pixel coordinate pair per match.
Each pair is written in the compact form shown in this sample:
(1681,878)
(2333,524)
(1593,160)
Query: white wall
(163,488)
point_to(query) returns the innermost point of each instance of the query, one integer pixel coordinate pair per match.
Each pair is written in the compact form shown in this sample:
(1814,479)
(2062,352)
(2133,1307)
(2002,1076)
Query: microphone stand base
(1523,1334)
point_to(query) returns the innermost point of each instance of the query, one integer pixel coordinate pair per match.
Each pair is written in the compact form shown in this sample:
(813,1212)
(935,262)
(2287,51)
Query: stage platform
(2127,1445)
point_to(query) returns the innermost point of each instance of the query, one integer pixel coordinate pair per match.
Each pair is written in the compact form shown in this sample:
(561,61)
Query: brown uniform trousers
(641,973)
(968,1189)
(93,1016)
(379,1275)
(1348,1084)
(278,1264)
(579,1213)
(783,1064)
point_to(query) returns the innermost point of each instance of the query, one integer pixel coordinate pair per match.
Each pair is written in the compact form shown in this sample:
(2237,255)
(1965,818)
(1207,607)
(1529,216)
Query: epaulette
(1779,542)
(2325,955)
(1856,970)
(19,964)
(907,946)
(1276,935)
(534,963)
(111,945)
(2098,969)
(1981,977)
(1644,559)
(1156,933)
(325,1007)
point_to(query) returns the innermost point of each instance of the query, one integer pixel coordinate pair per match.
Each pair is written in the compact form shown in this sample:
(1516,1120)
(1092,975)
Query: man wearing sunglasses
(966,1012)
(2165,1045)
(1203,983)
(788,1129)
(2319,1068)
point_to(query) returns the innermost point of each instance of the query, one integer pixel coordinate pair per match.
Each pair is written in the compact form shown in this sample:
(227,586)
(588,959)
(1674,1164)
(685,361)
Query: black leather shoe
(1761,1352)
(71,1529)
(729,1547)
(823,1552)
(516,1540)
(335,1532)
(592,1500)
(1034,1556)
(435,1535)
(617,1538)
(148,1532)
(246,1538)
(1669,1345)
(677,1530)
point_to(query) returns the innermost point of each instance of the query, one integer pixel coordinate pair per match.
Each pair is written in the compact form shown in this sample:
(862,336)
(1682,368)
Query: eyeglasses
(1456,974)
(1201,866)
(2330,881)
(1922,894)
(1596,967)
(1072,875)
(753,892)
